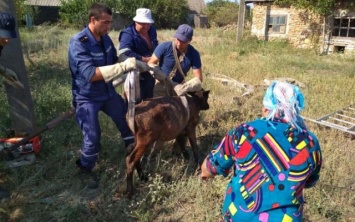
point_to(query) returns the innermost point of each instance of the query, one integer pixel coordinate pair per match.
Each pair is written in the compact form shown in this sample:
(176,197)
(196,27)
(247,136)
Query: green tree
(22,10)
(74,13)
(322,7)
(221,12)
(166,13)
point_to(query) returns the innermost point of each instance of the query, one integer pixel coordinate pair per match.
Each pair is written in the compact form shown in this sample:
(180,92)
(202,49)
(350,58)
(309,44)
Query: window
(344,27)
(277,24)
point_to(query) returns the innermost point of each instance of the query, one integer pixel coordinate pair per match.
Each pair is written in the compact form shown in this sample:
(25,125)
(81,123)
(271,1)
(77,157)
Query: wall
(302,29)
(46,14)
(339,44)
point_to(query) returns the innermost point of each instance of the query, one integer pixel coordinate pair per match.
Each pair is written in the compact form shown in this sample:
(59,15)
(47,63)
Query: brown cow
(164,119)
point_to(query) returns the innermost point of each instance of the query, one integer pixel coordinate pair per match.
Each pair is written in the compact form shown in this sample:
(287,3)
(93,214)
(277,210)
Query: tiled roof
(43,2)
(196,5)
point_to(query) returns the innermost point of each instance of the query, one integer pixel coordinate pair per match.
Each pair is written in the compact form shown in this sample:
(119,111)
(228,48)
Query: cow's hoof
(129,195)
(144,177)
(186,155)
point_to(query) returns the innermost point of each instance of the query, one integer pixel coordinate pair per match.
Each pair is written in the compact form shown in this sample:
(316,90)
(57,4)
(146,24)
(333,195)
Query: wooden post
(18,93)
(240,25)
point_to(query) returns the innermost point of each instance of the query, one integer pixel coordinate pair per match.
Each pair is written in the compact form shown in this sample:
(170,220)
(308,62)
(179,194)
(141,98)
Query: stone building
(196,18)
(334,33)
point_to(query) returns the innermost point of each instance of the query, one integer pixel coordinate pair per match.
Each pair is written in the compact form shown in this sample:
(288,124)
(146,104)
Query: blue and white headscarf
(285,101)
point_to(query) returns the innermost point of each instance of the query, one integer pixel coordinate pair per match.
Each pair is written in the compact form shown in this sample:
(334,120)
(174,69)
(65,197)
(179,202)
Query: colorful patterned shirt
(272,164)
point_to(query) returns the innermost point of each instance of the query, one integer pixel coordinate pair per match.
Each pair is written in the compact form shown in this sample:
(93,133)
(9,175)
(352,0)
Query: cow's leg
(191,134)
(181,141)
(129,171)
(142,176)
(133,162)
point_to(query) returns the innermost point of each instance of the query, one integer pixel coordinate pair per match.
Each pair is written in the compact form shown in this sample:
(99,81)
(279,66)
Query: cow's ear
(205,93)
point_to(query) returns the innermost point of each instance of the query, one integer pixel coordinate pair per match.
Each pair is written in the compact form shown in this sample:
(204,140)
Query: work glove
(114,71)
(8,74)
(156,72)
(193,85)
(119,80)
(141,66)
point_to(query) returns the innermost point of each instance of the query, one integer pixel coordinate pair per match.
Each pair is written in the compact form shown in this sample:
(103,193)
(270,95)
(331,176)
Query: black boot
(4,194)
(87,177)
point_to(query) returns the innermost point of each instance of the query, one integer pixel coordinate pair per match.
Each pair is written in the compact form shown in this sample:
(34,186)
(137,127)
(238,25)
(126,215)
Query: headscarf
(286,101)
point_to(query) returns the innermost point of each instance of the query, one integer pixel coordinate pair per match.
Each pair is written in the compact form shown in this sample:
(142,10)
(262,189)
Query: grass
(50,190)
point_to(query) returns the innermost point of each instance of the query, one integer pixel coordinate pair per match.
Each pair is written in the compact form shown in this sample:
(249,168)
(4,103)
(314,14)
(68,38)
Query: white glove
(192,85)
(114,71)
(8,74)
(119,80)
(141,66)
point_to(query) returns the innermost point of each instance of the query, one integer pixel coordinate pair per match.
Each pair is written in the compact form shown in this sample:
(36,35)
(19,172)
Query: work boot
(87,177)
(4,194)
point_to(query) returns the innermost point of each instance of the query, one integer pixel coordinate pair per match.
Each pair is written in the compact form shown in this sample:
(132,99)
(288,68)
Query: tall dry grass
(50,190)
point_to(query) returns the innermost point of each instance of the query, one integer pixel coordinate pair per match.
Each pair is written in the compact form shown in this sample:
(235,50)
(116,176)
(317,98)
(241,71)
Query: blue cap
(7,25)
(184,33)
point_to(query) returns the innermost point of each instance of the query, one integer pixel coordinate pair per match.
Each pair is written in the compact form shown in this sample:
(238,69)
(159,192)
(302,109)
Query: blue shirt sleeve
(195,59)
(127,41)
(161,50)
(131,39)
(80,60)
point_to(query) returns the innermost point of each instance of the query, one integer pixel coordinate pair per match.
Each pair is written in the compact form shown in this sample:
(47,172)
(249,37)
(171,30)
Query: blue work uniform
(85,54)
(164,52)
(131,39)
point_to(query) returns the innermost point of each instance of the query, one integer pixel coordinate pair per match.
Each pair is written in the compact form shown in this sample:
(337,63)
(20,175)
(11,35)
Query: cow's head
(202,98)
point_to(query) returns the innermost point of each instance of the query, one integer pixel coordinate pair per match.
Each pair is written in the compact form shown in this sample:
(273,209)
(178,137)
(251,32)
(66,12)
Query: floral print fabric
(272,163)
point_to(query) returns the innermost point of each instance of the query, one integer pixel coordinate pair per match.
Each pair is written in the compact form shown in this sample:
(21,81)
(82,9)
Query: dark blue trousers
(88,119)
(146,83)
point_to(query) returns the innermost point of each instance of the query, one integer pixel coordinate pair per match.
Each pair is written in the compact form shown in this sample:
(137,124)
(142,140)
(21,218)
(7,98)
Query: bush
(222,12)
(166,13)
(74,13)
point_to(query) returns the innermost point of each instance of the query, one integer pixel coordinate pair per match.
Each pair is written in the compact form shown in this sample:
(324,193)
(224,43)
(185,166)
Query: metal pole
(240,25)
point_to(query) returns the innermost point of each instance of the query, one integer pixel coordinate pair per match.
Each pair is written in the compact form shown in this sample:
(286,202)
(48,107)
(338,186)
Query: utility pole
(240,25)
(18,92)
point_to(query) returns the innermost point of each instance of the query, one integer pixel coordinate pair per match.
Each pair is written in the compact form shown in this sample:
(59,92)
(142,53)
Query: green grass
(50,190)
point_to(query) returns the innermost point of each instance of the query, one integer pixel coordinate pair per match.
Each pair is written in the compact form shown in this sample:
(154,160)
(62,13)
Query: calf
(164,119)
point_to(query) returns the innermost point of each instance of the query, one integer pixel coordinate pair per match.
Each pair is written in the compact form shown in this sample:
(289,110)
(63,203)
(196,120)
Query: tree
(222,12)
(166,13)
(169,13)
(74,13)
(322,7)
(18,93)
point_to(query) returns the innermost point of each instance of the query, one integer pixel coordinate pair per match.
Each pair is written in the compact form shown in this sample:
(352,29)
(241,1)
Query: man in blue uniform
(188,58)
(7,31)
(93,65)
(141,39)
